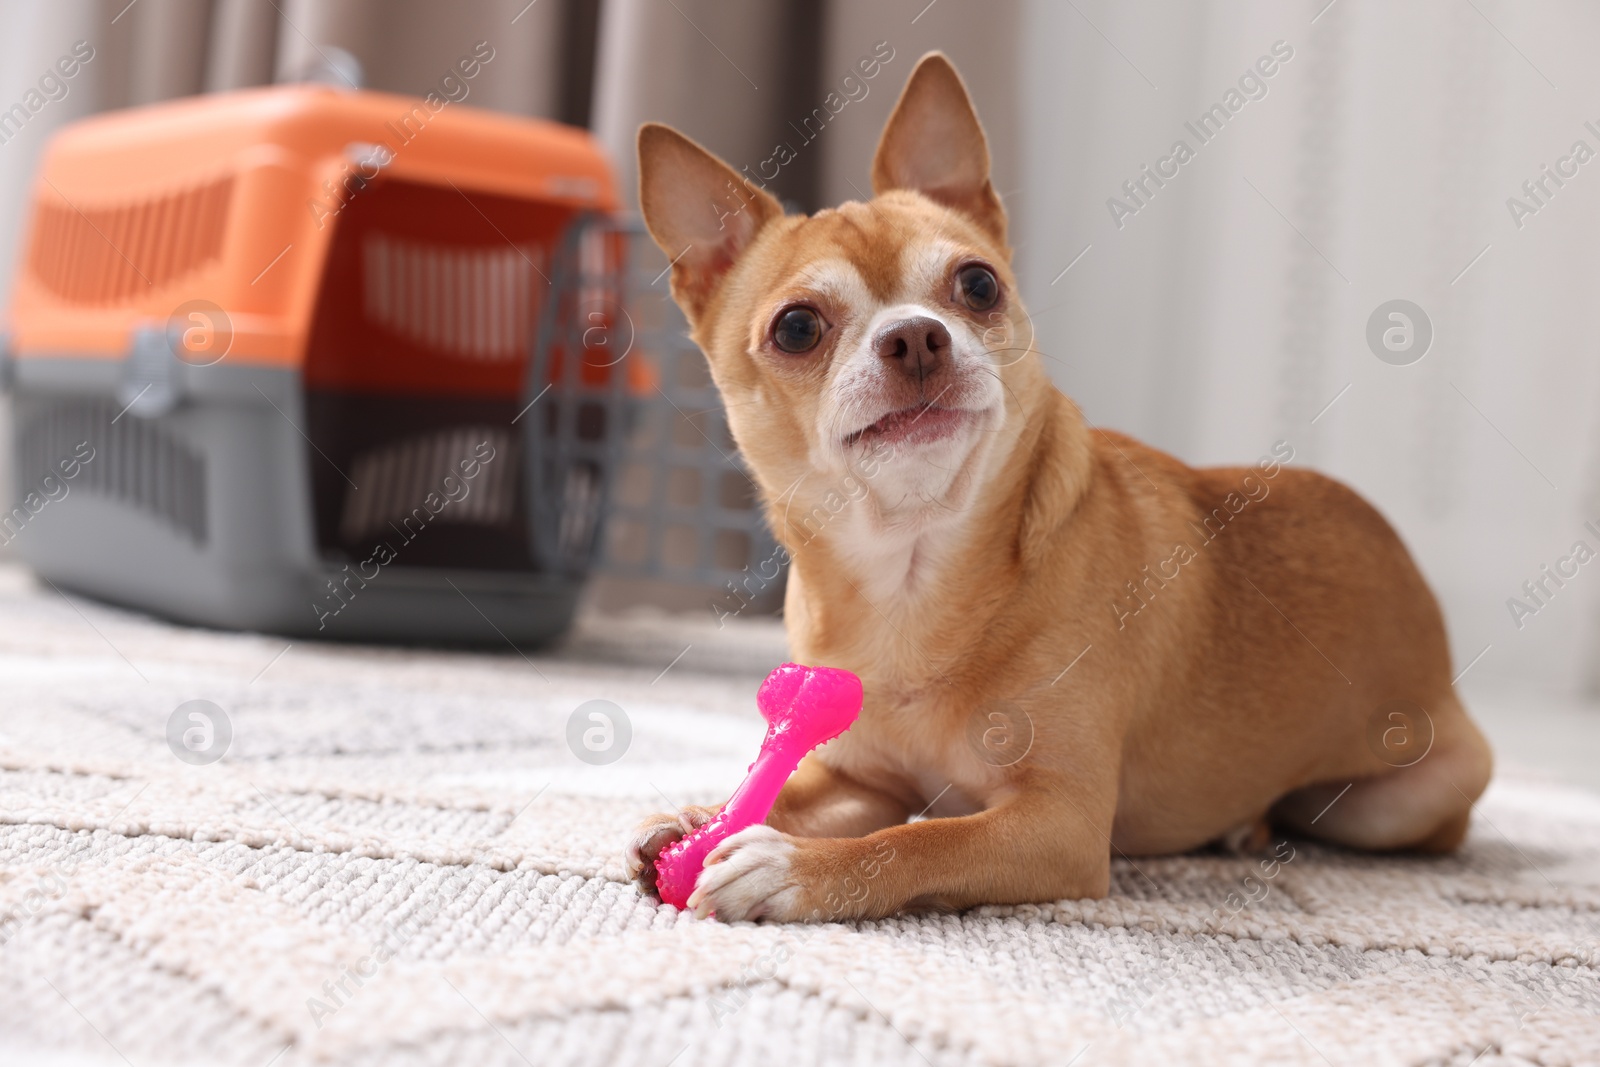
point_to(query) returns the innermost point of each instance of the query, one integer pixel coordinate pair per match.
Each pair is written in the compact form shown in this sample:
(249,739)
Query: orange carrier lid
(233,199)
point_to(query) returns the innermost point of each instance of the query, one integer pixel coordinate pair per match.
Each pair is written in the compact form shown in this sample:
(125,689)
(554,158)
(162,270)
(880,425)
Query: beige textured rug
(417,820)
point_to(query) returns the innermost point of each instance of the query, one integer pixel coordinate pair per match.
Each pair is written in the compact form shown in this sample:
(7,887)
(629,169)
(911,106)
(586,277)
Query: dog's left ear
(934,144)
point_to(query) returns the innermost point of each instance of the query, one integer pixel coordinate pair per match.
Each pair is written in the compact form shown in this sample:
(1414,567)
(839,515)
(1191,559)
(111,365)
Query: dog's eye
(977,287)
(797,330)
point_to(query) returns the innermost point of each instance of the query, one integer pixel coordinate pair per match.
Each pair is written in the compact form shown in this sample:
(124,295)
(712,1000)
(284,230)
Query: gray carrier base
(203,514)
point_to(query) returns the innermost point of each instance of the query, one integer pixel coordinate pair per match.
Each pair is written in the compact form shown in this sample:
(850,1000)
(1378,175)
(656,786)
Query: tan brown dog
(1072,645)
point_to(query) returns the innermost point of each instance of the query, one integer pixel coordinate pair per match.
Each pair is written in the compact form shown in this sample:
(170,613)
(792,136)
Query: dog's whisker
(1006,386)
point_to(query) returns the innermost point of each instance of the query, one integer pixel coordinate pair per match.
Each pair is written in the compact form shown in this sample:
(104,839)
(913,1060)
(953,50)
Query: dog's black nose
(918,346)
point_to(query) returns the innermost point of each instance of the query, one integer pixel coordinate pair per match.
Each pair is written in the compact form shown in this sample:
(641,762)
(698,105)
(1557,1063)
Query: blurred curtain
(742,78)
(1231,309)
(1228,312)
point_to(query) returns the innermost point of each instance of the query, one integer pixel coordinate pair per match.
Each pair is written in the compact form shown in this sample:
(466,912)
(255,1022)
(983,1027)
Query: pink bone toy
(804,707)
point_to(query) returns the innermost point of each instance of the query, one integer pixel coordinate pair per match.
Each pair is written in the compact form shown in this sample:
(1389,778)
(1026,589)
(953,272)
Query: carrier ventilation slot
(106,255)
(464,302)
(399,481)
(134,462)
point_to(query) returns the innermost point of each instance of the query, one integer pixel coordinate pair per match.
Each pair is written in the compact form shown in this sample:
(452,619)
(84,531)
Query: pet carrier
(322,362)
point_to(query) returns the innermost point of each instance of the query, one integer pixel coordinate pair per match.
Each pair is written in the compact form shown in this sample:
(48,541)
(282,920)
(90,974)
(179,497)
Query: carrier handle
(151,384)
(568,479)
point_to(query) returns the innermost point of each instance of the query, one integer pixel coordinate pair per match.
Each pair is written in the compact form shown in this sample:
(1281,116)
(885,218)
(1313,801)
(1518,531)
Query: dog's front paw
(656,833)
(750,876)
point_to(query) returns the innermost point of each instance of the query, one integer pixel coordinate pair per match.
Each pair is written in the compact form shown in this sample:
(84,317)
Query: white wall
(1208,325)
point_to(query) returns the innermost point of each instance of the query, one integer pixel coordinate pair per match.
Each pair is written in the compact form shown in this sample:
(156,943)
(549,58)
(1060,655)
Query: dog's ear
(934,144)
(700,211)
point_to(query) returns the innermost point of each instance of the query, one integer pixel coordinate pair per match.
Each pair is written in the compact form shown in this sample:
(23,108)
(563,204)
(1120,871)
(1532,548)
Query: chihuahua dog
(1072,645)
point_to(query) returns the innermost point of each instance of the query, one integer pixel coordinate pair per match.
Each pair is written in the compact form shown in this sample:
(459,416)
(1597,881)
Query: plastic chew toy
(804,707)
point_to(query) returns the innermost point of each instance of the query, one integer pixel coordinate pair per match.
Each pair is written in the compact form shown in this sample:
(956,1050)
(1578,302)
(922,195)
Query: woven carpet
(400,860)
